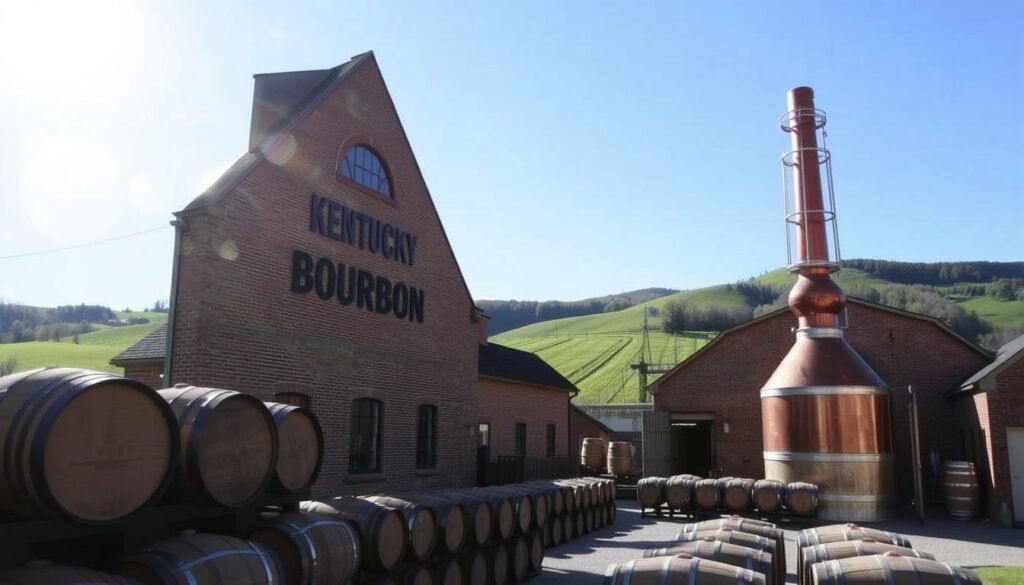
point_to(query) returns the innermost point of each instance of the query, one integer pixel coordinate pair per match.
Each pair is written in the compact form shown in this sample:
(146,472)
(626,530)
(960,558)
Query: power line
(83,245)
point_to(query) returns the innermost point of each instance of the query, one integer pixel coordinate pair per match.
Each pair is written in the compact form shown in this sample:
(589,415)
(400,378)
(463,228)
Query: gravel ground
(584,560)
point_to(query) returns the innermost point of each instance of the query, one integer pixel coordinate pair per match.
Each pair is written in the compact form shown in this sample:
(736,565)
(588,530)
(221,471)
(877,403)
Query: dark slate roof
(599,424)
(150,348)
(1004,354)
(280,102)
(498,361)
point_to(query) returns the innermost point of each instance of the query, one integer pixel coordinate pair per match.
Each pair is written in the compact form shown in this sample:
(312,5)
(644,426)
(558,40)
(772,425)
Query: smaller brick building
(583,426)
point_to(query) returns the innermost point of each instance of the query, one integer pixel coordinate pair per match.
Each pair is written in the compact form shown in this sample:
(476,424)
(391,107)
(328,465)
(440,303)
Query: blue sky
(572,148)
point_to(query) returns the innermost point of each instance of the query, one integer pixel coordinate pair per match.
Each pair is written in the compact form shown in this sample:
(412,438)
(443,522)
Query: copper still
(825,410)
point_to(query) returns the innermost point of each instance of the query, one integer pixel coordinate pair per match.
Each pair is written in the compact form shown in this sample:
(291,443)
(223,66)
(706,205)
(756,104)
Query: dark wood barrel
(852,548)
(474,566)
(312,550)
(679,570)
(521,502)
(202,559)
(479,516)
(383,536)
(593,454)
(420,519)
(228,445)
(54,575)
(535,543)
(447,571)
(766,544)
(599,492)
(84,446)
(620,458)
(679,492)
(736,494)
(580,522)
(503,522)
(890,568)
(539,498)
(705,494)
(768,495)
(723,552)
(650,492)
(413,575)
(960,489)
(498,571)
(300,448)
(556,531)
(518,557)
(568,527)
(802,498)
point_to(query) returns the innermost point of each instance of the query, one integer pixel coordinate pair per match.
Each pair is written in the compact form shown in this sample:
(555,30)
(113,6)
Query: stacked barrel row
(847,554)
(615,458)
(692,494)
(494,535)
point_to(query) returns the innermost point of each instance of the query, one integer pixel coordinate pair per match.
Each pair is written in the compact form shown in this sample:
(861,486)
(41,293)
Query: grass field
(1001,575)
(93,350)
(1003,313)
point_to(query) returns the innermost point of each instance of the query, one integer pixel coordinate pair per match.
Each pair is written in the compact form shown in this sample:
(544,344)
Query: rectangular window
(365,436)
(484,432)
(426,437)
(551,441)
(521,439)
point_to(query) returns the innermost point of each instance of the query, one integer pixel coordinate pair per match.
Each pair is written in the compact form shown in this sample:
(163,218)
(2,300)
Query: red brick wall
(503,404)
(726,380)
(150,375)
(582,427)
(238,324)
(1006,409)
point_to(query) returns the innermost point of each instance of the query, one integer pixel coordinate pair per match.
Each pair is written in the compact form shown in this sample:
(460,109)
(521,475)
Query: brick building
(316,271)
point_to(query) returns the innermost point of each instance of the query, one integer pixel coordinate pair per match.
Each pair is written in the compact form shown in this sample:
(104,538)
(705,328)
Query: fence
(513,469)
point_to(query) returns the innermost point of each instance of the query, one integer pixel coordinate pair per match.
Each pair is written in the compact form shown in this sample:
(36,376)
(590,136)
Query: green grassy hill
(93,350)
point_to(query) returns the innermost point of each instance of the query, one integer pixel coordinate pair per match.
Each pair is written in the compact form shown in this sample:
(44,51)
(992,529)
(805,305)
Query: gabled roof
(151,348)
(505,363)
(1005,355)
(850,300)
(596,422)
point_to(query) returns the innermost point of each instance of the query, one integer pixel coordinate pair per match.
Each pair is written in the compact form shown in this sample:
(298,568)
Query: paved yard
(970,544)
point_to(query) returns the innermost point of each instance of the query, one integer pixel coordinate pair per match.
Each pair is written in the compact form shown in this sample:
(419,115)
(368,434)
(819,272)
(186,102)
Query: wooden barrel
(556,531)
(84,446)
(519,557)
(748,521)
(535,544)
(960,489)
(568,527)
(843,550)
(679,570)
(202,559)
(54,575)
(593,454)
(383,536)
(723,552)
(620,458)
(768,495)
(650,491)
(480,516)
(581,522)
(312,550)
(890,568)
(757,527)
(612,511)
(802,498)
(448,571)
(736,494)
(300,448)
(421,521)
(556,497)
(505,518)
(541,500)
(762,543)
(843,532)
(452,520)
(705,494)
(498,571)
(573,494)
(413,575)
(474,566)
(679,492)
(580,492)
(522,502)
(228,445)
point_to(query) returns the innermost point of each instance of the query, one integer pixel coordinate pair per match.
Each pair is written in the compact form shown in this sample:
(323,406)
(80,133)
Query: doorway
(692,446)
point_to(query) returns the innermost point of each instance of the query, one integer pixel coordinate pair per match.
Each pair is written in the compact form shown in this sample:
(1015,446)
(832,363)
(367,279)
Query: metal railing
(515,469)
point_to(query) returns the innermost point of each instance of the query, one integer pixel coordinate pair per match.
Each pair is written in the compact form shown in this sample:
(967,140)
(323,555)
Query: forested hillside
(506,315)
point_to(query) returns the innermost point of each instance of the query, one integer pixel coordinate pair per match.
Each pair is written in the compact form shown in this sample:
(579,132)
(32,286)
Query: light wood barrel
(300,448)
(421,521)
(762,529)
(706,495)
(960,489)
(312,550)
(843,532)
(505,516)
(768,495)
(202,559)
(620,458)
(679,492)
(593,454)
(580,492)
(555,494)
(84,446)
(480,516)
(852,548)
(748,521)
(802,498)
(228,445)
(383,535)
(474,566)
(679,570)
(521,502)
(54,575)
(542,504)
(723,552)
(890,568)
(769,545)
(736,495)
(650,491)
(498,570)
(518,557)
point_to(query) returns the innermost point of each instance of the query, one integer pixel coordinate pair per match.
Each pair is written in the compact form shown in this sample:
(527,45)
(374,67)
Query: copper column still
(825,411)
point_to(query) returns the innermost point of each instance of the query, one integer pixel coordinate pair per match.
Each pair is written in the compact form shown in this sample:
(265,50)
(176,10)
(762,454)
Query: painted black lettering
(364,294)
(383,297)
(398,252)
(415,304)
(333,221)
(346,294)
(348,225)
(411,239)
(362,217)
(387,246)
(400,300)
(324,276)
(302,272)
(373,238)
(316,213)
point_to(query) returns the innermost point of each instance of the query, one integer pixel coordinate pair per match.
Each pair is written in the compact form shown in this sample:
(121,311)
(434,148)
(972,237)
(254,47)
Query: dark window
(426,437)
(365,435)
(294,399)
(363,166)
(484,431)
(551,441)
(521,439)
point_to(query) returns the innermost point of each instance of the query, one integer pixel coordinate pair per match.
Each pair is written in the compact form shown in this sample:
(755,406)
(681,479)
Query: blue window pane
(363,166)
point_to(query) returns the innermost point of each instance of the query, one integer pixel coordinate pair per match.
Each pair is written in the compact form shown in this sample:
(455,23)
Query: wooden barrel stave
(889,568)
(736,494)
(650,491)
(679,492)
(312,550)
(774,546)
(620,458)
(802,498)
(846,549)
(593,453)
(421,521)
(480,516)
(768,495)
(706,494)
(300,452)
(383,534)
(202,559)
(498,569)
(679,570)
(518,558)
(722,552)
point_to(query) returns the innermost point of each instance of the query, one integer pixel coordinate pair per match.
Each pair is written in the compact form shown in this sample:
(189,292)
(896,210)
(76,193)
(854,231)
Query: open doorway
(692,446)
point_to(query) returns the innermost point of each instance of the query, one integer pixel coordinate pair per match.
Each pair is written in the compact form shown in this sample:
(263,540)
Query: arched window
(363,166)
(365,436)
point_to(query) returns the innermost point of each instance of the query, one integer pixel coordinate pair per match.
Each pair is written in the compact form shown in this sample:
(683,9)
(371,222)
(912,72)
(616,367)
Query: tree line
(938,273)
(508,315)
